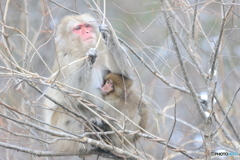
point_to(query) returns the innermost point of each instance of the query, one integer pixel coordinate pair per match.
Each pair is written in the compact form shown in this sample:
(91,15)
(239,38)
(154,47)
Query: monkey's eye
(78,27)
(87,25)
(109,82)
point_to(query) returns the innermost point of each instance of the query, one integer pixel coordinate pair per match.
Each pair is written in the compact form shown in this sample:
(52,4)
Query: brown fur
(122,84)
(128,101)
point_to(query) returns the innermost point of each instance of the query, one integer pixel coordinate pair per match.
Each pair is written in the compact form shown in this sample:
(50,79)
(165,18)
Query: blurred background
(27,42)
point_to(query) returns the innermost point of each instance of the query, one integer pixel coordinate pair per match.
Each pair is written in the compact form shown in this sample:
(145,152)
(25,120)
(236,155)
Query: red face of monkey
(107,87)
(85,32)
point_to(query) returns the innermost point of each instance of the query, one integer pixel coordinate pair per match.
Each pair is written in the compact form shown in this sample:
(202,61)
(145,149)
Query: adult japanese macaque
(76,38)
(119,92)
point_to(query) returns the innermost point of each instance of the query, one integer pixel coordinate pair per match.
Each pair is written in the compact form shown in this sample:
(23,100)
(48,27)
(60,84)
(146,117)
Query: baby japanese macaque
(119,92)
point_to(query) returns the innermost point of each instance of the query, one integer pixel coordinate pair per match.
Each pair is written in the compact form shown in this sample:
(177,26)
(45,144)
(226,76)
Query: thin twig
(183,67)
(174,124)
(154,72)
(40,153)
(235,144)
(72,11)
(226,114)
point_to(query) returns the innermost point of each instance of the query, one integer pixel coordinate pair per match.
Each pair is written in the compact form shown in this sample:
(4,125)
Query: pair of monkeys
(77,37)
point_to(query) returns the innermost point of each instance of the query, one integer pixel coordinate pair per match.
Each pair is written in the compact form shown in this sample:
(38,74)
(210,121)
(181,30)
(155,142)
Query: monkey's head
(77,32)
(116,84)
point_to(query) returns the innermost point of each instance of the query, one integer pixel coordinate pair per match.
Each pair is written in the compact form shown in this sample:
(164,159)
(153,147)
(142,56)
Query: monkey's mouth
(90,38)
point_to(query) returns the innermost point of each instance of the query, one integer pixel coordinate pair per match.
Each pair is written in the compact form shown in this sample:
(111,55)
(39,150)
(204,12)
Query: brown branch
(99,144)
(183,67)
(37,120)
(214,57)
(154,72)
(235,144)
(226,114)
(72,11)
(40,153)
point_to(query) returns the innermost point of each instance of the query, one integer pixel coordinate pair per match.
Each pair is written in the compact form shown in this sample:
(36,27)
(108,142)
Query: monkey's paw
(105,32)
(85,148)
(97,122)
(92,53)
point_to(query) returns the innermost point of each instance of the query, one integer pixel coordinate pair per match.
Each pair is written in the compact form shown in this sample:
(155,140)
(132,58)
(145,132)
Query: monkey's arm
(91,56)
(84,76)
(118,59)
(76,74)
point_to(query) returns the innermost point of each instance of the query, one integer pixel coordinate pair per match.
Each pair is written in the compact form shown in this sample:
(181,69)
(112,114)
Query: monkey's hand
(97,122)
(92,55)
(105,32)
